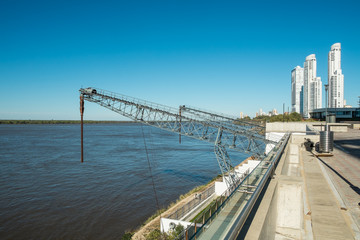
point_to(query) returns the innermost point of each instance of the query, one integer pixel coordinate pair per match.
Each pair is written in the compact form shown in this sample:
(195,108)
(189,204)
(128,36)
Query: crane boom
(213,128)
(240,127)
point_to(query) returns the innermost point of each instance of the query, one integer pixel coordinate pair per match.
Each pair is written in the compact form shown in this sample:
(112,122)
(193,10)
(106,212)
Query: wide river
(47,193)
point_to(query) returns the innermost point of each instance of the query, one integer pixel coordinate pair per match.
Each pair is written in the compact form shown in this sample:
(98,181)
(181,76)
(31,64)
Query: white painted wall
(165,224)
(287,127)
(274,136)
(252,164)
(220,187)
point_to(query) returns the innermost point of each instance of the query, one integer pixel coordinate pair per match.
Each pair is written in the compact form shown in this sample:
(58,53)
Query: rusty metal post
(195,229)
(82,126)
(180,125)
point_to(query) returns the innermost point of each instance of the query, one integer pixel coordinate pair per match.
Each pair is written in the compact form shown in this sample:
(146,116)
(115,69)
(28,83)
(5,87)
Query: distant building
(341,114)
(264,113)
(241,115)
(335,77)
(312,97)
(297,87)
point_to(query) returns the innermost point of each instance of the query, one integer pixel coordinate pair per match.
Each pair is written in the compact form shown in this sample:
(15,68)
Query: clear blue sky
(226,56)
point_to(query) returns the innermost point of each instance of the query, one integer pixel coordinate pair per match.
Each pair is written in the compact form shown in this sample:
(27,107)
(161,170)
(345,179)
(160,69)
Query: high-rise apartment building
(312,97)
(335,77)
(297,86)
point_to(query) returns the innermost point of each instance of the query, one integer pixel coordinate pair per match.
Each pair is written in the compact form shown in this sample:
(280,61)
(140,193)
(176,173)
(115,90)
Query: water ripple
(46,193)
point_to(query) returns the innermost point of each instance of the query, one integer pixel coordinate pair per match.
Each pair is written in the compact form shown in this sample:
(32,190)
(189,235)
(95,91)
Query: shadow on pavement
(352,186)
(352,146)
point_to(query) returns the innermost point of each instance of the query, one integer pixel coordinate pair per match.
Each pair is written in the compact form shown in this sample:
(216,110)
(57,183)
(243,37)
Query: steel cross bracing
(229,121)
(248,129)
(218,130)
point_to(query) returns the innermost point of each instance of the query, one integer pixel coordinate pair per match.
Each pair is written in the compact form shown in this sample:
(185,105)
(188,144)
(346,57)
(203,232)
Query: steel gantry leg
(225,165)
(224,161)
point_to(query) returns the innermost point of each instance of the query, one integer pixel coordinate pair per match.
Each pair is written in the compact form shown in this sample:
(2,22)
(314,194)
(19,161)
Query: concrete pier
(311,197)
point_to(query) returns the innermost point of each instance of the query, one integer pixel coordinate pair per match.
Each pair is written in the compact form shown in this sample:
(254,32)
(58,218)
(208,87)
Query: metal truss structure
(222,131)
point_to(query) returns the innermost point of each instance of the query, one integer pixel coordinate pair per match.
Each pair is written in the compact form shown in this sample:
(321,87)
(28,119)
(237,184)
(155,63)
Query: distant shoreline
(60,122)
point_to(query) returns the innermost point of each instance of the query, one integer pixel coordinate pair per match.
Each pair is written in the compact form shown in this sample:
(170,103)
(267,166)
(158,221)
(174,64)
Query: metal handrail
(184,210)
(209,213)
(249,205)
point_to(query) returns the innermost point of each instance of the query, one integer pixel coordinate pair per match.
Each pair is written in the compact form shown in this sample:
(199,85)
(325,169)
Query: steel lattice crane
(223,131)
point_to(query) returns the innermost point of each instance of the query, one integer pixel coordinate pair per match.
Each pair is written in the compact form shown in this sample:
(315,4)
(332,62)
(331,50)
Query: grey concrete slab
(322,210)
(328,221)
(343,169)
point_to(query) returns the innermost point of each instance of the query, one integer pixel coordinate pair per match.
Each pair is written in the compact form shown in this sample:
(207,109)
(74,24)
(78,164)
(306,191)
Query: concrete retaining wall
(284,219)
(287,127)
(280,215)
(305,126)
(268,229)
(335,127)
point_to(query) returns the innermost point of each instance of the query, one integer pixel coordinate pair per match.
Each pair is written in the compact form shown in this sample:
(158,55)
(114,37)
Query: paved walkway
(328,220)
(344,171)
(330,195)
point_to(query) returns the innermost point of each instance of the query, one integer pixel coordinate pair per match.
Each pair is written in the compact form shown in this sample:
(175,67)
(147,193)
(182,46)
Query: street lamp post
(326,101)
(326,104)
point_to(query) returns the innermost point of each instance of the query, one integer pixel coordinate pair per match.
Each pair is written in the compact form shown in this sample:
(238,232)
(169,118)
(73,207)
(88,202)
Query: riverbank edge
(61,122)
(153,222)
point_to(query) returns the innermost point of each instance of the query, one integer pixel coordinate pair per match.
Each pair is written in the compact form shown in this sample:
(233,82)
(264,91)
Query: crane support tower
(224,132)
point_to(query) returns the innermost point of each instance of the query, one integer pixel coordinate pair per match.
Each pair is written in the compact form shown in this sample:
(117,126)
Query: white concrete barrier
(273,136)
(334,127)
(305,127)
(168,225)
(221,187)
(287,127)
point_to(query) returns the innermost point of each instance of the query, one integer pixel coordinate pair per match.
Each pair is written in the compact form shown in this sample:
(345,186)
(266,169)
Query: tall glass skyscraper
(312,87)
(335,77)
(297,86)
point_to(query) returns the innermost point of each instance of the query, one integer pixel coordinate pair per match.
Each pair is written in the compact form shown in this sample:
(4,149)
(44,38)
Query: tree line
(292,117)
